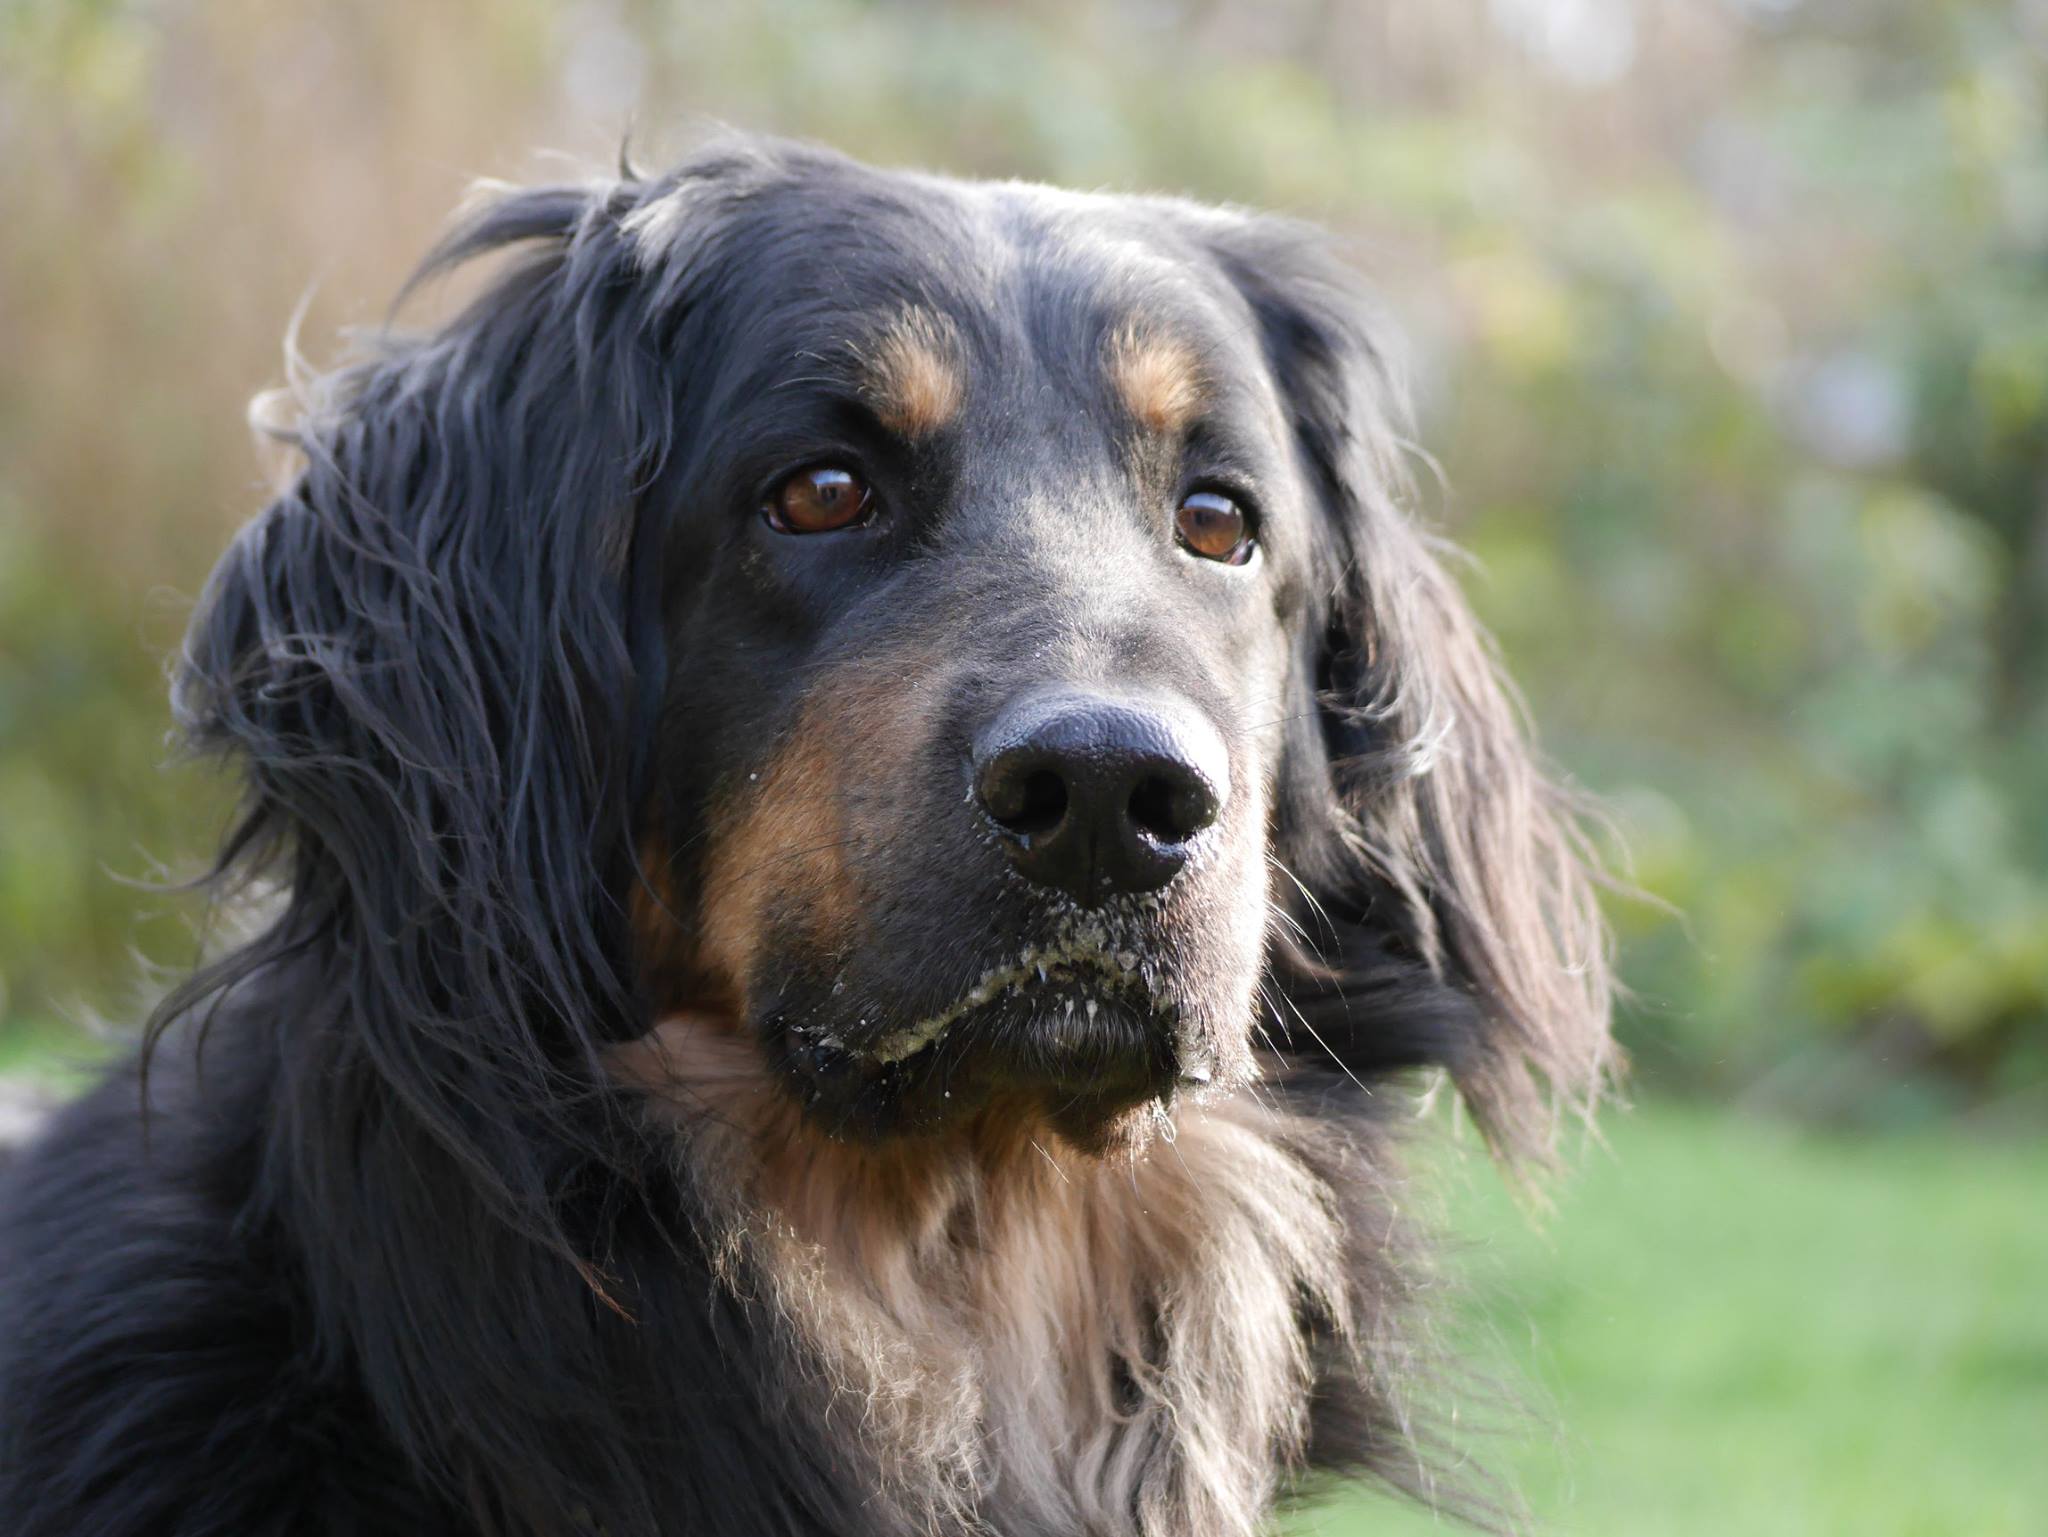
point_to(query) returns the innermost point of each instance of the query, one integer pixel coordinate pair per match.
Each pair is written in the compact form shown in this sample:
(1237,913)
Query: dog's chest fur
(1101,1346)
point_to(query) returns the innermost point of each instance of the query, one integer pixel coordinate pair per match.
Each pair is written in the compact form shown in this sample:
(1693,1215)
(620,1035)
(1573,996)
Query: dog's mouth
(1083,1032)
(1077,980)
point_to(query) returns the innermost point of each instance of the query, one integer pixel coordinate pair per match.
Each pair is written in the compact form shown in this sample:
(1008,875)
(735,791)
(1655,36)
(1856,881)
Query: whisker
(1315,905)
(1282,720)
(1277,911)
(1062,1173)
(1344,1066)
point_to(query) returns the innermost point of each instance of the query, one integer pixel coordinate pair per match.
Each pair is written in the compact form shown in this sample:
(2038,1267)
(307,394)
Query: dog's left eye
(819,500)
(1214,527)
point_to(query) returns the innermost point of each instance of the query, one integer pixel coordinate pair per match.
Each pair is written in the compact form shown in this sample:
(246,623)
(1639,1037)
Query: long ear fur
(432,656)
(420,654)
(1441,835)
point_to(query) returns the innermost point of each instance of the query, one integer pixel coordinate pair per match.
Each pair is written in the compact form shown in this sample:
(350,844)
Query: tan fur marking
(786,850)
(1160,380)
(794,836)
(661,947)
(914,378)
(1109,1345)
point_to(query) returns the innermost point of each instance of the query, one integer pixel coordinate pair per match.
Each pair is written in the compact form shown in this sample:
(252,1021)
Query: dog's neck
(1116,1345)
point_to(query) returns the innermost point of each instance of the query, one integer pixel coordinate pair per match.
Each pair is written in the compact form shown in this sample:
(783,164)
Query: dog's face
(989,586)
(960,643)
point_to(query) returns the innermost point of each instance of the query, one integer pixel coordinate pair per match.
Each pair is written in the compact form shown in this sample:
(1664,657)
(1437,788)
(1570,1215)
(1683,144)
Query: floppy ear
(435,656)
(1439,836)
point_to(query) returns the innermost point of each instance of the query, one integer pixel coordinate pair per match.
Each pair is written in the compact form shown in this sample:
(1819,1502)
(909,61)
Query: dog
(866,811)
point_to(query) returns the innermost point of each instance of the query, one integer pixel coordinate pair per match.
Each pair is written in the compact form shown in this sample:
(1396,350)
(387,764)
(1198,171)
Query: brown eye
(1214,527)
(818,501)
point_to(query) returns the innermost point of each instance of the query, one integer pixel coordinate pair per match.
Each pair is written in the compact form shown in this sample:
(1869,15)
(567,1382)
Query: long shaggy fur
(438,1222)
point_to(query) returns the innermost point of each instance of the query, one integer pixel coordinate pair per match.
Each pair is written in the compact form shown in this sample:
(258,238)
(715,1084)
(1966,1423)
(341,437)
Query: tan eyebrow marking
(913,375)
(1160,379)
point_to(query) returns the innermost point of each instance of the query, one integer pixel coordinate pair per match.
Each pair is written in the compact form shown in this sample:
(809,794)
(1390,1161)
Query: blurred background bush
(1729,326)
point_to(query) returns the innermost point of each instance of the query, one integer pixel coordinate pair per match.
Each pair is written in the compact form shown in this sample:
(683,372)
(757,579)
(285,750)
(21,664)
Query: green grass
(1740,1327)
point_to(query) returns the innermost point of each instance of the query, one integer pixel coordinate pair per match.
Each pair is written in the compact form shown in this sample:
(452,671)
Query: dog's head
(962,641)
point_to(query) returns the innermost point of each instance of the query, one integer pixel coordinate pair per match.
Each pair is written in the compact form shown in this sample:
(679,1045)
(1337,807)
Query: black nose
(1096,794)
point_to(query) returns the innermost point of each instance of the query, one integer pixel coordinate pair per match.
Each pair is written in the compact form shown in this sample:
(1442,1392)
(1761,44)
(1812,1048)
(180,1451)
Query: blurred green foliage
(1730,332)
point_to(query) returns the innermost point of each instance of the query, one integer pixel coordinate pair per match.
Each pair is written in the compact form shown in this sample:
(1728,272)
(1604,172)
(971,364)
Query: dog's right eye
(819,500)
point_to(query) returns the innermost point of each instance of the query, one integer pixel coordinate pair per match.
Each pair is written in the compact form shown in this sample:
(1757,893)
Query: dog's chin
(1091,1057)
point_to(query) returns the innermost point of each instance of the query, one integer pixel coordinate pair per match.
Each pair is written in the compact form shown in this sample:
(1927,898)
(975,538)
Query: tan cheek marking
(914,375)
(786,853)
(786,842)
(1159,379)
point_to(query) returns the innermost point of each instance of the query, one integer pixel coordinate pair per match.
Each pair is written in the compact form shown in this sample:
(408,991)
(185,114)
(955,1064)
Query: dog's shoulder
(155,1366)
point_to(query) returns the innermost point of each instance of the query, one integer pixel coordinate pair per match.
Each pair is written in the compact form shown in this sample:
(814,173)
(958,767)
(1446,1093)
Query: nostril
(1041,803)
(1170,808)
(1021,797)
(1151,809)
